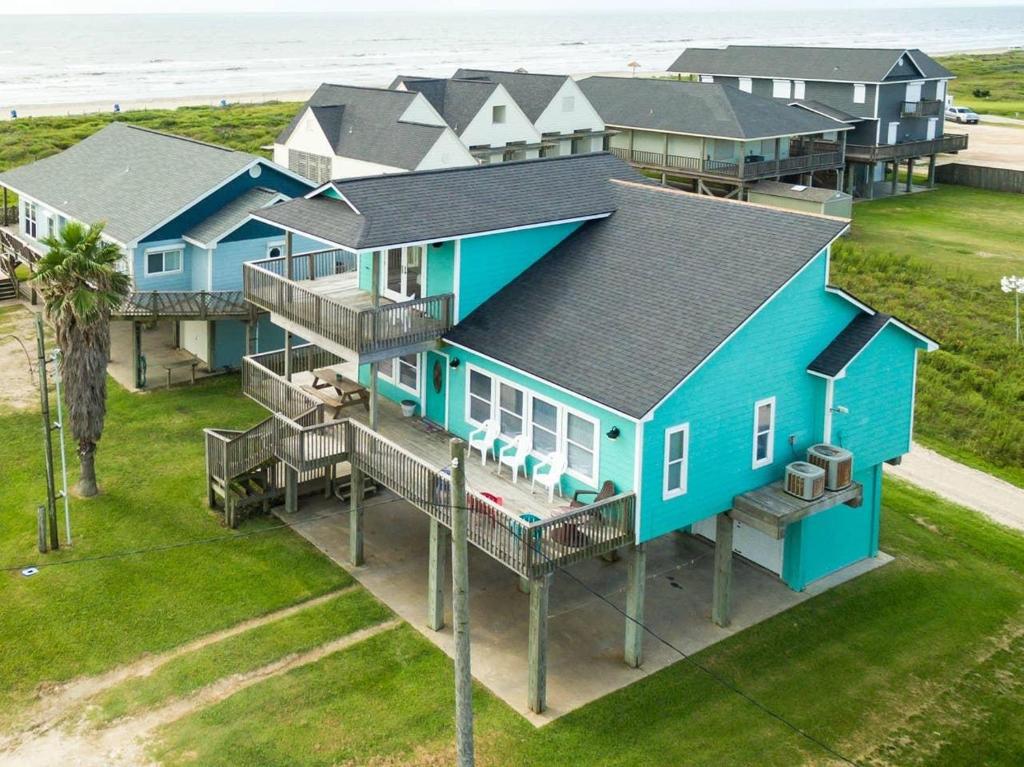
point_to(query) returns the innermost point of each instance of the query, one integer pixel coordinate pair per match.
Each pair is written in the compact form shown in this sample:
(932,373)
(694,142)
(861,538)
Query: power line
(516,533)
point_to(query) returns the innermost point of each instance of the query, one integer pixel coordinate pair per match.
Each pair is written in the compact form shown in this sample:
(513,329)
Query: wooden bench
(192,363)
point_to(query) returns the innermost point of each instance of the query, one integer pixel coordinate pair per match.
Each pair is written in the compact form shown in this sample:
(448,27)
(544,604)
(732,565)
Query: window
(275,249)
(582,143)
(511,409)
(859,93)
(498,114)
(764,432)
(480,397)
(707,78)
(544,420)
(940,90)
(30,226)
(315,167)
(581,444)
(677,454)
(52,229)
(568,103)
(799,88)
(913,92)
(781,89)
(404,371)
(746,85)
(165,261)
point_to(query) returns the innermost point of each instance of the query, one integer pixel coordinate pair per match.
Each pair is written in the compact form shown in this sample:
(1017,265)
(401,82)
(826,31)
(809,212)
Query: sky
(462,6)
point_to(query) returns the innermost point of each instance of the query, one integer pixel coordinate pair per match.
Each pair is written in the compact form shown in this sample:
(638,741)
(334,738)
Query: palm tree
(81,285)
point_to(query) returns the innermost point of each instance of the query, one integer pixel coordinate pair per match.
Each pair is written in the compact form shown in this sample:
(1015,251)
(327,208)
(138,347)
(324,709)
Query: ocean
(75,59)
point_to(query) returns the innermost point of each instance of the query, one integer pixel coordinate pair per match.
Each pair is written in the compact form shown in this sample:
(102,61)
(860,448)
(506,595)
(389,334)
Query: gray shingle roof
(457,101)
(132,178)
(231,215)
(533,92)
(440,204)
(796,191)
(827,111)
(700,109)
(364,124)
(847,345)
(861,65)
(628,306)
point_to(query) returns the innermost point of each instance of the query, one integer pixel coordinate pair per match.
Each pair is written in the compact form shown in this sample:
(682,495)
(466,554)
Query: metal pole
(44,401)
(57,379)
(460,607)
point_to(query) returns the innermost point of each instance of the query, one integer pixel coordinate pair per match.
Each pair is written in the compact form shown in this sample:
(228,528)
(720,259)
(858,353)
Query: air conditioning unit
(837,463)
(805,480)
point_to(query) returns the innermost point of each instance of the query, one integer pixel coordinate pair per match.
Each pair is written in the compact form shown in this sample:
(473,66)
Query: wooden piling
(355,518)
(723,570)
(537,649)
(636,581)
(438,565)
(460,607)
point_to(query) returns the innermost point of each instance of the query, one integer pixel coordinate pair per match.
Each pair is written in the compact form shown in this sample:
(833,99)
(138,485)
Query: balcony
(16,246)
(320,300)
(747,171)
(925,108)
(950,142)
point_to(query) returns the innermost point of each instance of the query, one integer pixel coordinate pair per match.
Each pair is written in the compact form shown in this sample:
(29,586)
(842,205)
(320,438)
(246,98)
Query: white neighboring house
(558,108)
(482,113)
(347,131)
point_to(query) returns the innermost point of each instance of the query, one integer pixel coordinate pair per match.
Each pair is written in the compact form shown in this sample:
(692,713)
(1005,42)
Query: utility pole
(44,401)
(460,607)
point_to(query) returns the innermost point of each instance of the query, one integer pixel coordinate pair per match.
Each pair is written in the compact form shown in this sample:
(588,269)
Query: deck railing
(311,446)
(263,381)
(14,246)
(923,108)
(198,304)
(363,330)
(801,163)
(949,142)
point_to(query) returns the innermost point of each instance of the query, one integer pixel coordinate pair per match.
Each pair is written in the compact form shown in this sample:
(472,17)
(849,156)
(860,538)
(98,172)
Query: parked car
(962,115)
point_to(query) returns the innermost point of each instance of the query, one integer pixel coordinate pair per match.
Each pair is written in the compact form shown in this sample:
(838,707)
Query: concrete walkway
(993,497)
(585,633)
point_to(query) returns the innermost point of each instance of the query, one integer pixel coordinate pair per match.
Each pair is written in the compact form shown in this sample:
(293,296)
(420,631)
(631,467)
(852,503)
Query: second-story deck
(732,171)
(318,296)
(949,142)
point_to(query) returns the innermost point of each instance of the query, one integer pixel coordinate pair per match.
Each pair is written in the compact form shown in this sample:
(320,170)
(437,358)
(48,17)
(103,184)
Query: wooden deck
(771,509)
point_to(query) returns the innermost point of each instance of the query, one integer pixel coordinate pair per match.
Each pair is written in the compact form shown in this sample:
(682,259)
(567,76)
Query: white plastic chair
(549,474)
(483,439)
(514,455)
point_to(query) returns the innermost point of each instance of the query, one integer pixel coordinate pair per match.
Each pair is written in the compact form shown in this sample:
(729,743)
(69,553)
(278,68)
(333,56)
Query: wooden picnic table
(349,392)
(175,365)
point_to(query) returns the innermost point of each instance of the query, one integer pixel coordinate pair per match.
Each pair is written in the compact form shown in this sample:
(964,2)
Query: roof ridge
(511,72)
(361,88)
(165,134)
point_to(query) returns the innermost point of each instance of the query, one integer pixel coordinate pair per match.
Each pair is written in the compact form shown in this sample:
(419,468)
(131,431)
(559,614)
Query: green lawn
(1001,74)
(919,663)
(935,259)
(79,619)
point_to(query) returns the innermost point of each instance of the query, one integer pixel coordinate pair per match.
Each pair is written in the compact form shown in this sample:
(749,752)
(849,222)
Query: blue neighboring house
(178,208)
(676,351)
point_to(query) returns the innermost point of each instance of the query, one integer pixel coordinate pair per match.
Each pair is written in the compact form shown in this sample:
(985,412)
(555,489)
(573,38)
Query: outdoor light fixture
(455,362)
(613,433)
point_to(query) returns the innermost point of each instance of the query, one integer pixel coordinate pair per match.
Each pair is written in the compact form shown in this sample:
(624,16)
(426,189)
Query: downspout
(830,393)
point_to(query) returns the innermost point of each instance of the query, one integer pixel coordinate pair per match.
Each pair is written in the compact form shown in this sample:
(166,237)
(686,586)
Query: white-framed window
(479,397)
(52,228)
(746,85)
(677,459)
(550,427)
(30,217)
(860,91)
(498,114)
(799,89)
(275,249)
(568,103)
(913,92)
(707,78)
(764,432)
(781,89)
(164,260)
(402,371)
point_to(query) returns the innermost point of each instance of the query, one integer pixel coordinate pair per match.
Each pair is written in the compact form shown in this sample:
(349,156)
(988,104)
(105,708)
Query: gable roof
(132,178)
(700,109)
(533,92)
(365,124)
(231,216)
(628,306)
(457,101)
(848,344)
(440,204)
(861,65)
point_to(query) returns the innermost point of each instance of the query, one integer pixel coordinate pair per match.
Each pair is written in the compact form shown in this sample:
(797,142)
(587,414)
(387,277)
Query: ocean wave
(572,44)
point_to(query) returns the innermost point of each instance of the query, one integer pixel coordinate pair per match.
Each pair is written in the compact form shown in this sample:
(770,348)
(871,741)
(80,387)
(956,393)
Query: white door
(932,123)
(402,271)
(749,543)
(894,128)
(913,92)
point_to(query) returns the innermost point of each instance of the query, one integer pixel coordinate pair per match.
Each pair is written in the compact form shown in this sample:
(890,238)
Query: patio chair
(549,474)
(607,491)
(483,439)
(514,455)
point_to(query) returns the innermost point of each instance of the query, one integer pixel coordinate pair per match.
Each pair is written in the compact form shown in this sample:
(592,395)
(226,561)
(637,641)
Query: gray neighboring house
(713,136)
(347,131)
(892,97)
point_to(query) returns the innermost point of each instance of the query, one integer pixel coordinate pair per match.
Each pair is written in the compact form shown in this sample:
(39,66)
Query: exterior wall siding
(181,280)
(718,403)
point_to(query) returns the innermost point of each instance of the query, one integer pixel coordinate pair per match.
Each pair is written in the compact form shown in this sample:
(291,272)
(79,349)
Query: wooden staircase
(7,289)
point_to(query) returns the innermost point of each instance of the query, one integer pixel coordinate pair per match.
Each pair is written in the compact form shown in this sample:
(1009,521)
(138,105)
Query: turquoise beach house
(658,358)
(178,209)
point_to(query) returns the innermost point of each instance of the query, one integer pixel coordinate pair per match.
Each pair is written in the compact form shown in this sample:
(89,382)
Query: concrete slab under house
(647,363)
